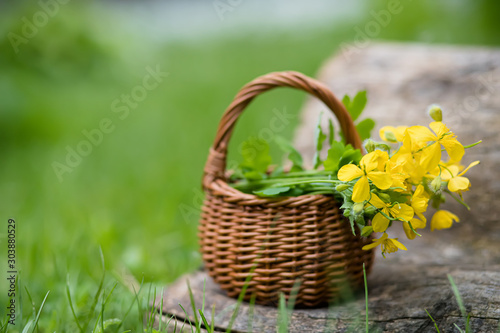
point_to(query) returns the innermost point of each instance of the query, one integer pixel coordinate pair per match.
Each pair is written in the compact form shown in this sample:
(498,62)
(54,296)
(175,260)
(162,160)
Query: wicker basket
(278,240)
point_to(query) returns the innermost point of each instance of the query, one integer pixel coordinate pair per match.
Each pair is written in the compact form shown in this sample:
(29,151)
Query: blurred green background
(137,192)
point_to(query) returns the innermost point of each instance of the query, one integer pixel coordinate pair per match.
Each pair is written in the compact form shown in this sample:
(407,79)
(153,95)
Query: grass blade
(131,305)
(193,306)
(96,325)
(212,323)
(26,329)
(98,293)
(68,294)
(459,329)
(460,303)
(33,309)
(293,295)
(161,310)
(202,316)
(187,318)
(282,315)
(240,300)
(203,298)
(250,312)
(151,311)
(435,324)
(366,300)
(40,311)
(457,296)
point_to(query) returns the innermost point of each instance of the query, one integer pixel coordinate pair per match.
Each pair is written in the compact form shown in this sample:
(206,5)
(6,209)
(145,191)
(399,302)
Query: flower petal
(421,134)
(420,199)
(457,184)
(467,169)
(380,223)
(454,148)
(409,233)
(430,157)
(349,172)
(422,218)
(370,161)
(448,172)
(376,242)
(377,202)
(371,246)
(439,128)
(361,190)
(402,211)
(443,219)
(398,244)
(416,224)
(380,179)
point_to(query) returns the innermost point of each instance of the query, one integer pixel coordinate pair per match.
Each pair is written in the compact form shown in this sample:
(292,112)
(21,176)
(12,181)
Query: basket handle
(216,163)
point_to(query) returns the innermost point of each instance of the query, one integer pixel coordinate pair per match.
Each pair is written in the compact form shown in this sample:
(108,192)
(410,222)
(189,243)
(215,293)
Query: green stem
(283,182)
(312,181)
(458,199)
(474,144)
(306,173)
(415,231)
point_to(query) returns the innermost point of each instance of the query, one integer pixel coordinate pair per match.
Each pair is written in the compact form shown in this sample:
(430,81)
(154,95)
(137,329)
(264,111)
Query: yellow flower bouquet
(390,186)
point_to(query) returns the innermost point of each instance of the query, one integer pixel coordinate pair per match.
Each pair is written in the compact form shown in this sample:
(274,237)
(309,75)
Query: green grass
(137,195)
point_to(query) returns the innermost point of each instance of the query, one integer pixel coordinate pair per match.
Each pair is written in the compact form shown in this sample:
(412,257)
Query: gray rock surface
(402,80)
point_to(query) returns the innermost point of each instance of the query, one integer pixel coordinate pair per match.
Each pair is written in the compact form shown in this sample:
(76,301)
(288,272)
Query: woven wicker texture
(278,240)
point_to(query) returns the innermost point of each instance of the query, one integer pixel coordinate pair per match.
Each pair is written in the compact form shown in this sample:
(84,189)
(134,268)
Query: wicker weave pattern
(277,240)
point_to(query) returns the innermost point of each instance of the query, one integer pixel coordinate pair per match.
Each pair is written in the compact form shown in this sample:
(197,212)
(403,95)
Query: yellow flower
(395,167)
(387,245)
(431,154)
(416,224)
(443,219)
(366,170)
(452,174)
(407,155)
(419,201)
(398,211)
(398,133)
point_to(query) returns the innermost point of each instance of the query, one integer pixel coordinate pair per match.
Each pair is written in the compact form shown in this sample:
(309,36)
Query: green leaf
(398,196)
(335,153)
(366,231)
(256,157)
(319,137)
(365,128)
(272,191)
(356,105)
(108,323)
(350,156)
(331,130)
(293,155)
(253,175)
(347,205)
(277,172)
(346,100)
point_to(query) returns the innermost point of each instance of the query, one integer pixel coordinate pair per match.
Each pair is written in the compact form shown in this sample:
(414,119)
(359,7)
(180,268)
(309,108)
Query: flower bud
(436,184)
(435,112)
(389,136)
(382,146)
(366,231)
(341,187)
(370,210)
(369,145)
(358,208)
(385,197)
